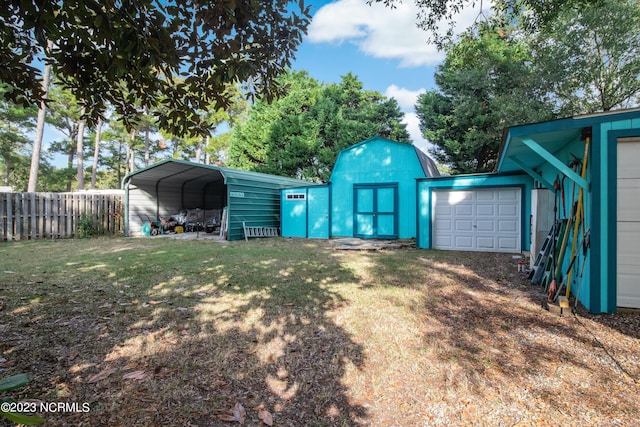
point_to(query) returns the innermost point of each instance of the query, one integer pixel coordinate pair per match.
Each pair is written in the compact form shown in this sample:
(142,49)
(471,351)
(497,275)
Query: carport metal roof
(182,172)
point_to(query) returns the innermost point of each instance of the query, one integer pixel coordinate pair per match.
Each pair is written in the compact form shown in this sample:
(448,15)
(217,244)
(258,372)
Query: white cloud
(380,31)
(406,98)
(413,127)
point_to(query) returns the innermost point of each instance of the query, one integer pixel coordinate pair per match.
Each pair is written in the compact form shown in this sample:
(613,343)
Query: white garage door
(628,293)
(485,220)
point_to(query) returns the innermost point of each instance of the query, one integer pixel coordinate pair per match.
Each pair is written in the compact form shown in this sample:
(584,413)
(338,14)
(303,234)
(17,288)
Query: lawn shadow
(484,328)
(173,337)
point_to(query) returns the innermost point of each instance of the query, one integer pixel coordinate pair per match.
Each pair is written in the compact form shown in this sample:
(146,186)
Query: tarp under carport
(171,186)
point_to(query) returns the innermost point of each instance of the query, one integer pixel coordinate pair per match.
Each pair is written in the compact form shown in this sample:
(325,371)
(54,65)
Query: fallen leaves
(238,414)
(235,414)
(101,375)
(131,375)
(135,375)
(266,417)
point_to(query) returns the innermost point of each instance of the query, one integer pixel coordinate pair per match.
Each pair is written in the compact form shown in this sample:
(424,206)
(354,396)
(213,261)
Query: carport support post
(126,207)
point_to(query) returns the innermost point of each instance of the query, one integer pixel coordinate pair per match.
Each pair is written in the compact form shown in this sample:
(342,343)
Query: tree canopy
(504,71)
(439,17)
(301,134)
(590,57)
(130,54)
(486,82)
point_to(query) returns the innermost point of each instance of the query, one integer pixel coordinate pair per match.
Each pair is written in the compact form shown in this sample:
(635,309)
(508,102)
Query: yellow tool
(579,213)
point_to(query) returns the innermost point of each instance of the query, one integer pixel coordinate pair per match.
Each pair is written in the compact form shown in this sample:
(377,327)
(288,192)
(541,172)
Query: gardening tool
(586,132)
(564,206)
(565,240)
(586,244)
(552,286)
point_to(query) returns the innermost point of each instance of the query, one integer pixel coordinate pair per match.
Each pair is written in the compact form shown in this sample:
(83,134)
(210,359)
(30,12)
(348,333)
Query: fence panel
(58,215)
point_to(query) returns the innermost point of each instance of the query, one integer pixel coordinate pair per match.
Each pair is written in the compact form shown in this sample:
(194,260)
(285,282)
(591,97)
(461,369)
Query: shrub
(88,227)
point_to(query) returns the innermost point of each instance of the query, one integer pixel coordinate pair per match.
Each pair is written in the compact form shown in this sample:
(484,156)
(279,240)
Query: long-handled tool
(552,285)
(585,248)
(585,242)
(564,206)
(565,241)
(587,135)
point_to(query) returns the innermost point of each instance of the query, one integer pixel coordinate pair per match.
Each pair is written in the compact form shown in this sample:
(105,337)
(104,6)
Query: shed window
(296,196)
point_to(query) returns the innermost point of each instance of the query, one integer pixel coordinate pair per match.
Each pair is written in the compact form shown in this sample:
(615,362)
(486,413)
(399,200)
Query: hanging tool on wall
(564,206)
(552,285)
(585,242)
(586,135)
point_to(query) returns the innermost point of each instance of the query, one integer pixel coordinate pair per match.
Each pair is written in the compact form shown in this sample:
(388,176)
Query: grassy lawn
(161,332)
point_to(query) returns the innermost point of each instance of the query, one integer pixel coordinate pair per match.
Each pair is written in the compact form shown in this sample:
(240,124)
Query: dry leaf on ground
(266,417)
(101,375)
(129,366)
(135,375)
(237,414)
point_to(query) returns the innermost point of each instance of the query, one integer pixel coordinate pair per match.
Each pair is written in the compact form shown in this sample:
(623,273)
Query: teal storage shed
(305,212)
(170,186)
(370,194)
(605,273)
(373,189)
(608,276)
(485,212)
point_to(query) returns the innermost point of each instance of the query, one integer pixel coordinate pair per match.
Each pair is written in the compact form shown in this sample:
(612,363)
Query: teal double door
(375,210)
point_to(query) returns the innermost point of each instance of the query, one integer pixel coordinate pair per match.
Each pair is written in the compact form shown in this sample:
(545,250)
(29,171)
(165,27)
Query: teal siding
(294,213)
(252,202)
(426,186)
(604,243)
(307,217)
(318,219)
(375,161)
(598,285)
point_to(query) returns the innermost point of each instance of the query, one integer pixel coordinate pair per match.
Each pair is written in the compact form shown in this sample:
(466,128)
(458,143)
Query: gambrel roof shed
(371,194)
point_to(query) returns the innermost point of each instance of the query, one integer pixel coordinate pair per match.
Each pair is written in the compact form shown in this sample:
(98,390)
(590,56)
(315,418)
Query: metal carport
(170,186)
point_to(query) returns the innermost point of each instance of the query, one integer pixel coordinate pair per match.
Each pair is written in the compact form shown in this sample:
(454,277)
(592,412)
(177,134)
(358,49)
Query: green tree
(215,144)
(99,48)
(590,57)
(347,114)
(439,17)
(486,83)
(15,125)
(301,134)
(64,113)
(122,151)
(114,143)
(96,153)
(40,124)
(252,144)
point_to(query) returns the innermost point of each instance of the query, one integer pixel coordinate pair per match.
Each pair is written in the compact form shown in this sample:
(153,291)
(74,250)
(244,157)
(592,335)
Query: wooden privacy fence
(58,215)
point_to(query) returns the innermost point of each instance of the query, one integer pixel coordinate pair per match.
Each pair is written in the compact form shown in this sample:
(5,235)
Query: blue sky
(381,46)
